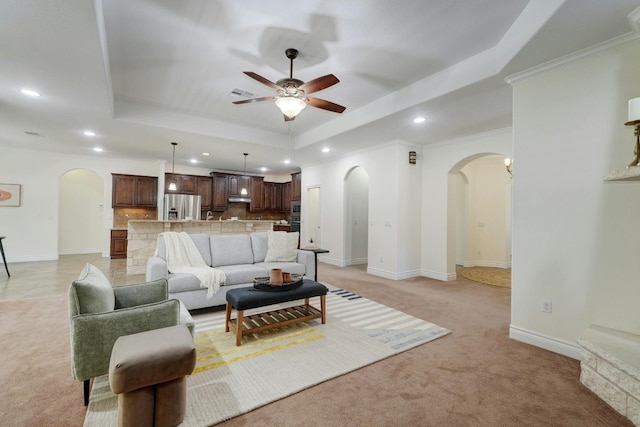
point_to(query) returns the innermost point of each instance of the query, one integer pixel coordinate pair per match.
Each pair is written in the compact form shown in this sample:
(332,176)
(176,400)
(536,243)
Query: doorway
(482,215)
(357,217)
(80,212)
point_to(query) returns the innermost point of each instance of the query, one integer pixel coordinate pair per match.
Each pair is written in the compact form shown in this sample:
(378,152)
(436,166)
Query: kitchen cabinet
(118,244)
(185,184)
(204,191)
(296,187)
(219,193)
(133,191)
(256,190)
(235,183)
(286,197)
(274,196)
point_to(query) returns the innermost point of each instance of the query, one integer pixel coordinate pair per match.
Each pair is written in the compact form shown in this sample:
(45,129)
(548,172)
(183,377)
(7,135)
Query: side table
(316,251)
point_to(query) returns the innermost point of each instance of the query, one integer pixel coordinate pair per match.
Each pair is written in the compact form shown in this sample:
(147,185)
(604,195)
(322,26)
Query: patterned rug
(488,275)
(230,380)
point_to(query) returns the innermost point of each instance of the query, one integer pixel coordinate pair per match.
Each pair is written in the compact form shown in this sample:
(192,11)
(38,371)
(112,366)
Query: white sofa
(240,256)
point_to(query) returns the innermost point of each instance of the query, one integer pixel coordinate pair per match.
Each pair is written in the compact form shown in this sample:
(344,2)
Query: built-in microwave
(295,208)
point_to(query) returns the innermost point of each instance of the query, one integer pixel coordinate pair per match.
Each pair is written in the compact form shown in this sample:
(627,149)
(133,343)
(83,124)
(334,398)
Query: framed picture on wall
(10,195)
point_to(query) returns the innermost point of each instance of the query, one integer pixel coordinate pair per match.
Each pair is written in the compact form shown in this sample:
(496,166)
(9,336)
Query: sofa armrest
(141,293)
(157,268)
(93,335)
(308,259)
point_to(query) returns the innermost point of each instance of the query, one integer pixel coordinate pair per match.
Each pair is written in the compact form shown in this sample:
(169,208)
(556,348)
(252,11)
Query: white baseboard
(80,251)
(357,261)
(32,258)
(495,264)
(393,275)
(555,345)
(332,261)
(445,277)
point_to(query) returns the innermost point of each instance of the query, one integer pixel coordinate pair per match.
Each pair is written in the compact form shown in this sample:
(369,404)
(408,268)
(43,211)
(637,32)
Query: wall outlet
(546,306)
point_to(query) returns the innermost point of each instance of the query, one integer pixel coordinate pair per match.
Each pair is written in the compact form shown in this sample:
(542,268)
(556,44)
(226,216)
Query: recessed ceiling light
(193,161)
(89,133)
(326,149)
(263,168)
(205,154)
(29,92)
(419,120)
(98,149)
(287,161)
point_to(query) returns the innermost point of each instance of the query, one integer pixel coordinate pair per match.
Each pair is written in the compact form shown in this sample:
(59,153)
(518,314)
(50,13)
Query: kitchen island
(143,234)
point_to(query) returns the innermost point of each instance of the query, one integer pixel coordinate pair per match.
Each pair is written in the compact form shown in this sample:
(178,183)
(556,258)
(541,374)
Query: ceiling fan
(292,93)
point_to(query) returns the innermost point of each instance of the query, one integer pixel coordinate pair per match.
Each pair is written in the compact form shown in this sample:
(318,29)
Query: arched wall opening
(80,212)
(480,212)
(356,216)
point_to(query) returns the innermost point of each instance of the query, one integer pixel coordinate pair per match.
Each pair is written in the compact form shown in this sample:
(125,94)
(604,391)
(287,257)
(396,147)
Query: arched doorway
(482,212)
(80,212)
(356,217)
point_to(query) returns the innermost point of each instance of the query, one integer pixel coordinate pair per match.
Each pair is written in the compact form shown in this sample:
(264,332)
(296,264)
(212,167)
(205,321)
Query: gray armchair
(100,313)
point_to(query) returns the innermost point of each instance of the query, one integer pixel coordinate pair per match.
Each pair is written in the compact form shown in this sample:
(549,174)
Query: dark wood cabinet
(204,191)
(286,197)
(219,194)
(185,184)
(118,244)
(131,191)
(296,187)
(277,196)
(235,183)
(257,194)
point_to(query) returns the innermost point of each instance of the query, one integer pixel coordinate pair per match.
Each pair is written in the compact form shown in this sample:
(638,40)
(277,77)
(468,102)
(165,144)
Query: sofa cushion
(260,244)
(200,240)
(93,290)
(282,246)
(230,249)
(183,282)
(289,267)
(242,273)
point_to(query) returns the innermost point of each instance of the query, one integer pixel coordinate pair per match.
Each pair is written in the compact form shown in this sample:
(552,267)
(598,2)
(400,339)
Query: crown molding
(625,39)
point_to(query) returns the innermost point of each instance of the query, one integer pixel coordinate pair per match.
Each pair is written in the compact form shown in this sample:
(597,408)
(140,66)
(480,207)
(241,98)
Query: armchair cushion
(94,293)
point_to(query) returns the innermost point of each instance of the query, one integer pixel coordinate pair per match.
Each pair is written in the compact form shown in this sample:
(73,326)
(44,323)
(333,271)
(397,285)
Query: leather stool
(148,373)
(3,258)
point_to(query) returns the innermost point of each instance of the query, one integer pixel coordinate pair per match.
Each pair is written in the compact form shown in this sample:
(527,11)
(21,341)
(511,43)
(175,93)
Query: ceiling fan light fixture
(290,105)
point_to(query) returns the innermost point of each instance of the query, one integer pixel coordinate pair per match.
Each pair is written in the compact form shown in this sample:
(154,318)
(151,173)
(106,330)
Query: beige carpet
(230,380)
(488,275)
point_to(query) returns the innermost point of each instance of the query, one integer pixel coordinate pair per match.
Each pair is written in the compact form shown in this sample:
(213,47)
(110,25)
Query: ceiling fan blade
(248,101)
(325,105)
(320,83)
(262,80)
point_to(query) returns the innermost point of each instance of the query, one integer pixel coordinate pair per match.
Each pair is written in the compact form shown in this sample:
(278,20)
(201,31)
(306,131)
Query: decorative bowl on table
(264,284)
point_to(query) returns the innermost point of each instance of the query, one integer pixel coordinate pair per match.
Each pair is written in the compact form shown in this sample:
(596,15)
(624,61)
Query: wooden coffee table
(248,298)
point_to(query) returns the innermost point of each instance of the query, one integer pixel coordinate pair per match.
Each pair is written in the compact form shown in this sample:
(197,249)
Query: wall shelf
(628,174)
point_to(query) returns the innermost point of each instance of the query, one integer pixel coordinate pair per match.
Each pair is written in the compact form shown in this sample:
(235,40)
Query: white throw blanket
(183,256)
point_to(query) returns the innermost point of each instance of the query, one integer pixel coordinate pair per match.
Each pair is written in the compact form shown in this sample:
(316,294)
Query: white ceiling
(143,73)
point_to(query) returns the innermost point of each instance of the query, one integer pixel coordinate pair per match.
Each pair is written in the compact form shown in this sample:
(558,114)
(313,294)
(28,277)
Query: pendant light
(243,191)
(172,185)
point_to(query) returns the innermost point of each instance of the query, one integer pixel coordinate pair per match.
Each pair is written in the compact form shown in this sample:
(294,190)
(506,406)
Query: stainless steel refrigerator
(181,207)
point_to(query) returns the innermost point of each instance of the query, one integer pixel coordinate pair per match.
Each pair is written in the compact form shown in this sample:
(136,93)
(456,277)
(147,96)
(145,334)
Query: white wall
(394,202)
(81,215)
(442,162)
(575,237)
(32,230)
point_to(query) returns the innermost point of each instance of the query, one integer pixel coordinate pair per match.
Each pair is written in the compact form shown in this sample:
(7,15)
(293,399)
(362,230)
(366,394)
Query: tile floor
(46,278)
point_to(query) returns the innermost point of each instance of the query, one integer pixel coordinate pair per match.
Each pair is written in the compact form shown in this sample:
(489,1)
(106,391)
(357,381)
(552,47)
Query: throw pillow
(94,292)
(282,246)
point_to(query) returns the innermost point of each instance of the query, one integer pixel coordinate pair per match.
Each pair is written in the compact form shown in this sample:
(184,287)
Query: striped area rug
(230,380)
